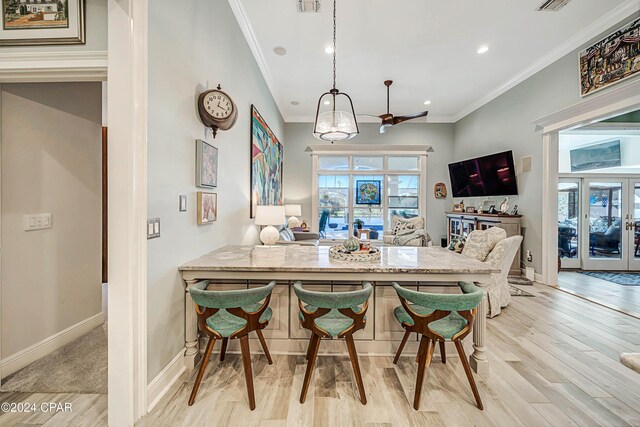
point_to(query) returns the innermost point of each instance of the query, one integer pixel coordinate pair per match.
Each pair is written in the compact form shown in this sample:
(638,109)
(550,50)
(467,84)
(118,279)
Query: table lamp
(293,211)
(269,216)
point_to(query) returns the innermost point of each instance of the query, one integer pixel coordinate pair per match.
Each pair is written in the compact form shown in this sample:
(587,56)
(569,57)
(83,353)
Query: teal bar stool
(225,315)
(438,318)
(333,315)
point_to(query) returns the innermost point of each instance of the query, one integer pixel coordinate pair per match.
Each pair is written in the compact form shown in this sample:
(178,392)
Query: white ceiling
(428,47)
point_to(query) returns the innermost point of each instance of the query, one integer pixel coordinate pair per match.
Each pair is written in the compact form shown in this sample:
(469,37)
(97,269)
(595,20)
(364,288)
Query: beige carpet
(78,367)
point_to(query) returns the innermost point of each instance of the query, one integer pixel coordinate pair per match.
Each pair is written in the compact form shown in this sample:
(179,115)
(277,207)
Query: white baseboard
(19,360)
(159,386)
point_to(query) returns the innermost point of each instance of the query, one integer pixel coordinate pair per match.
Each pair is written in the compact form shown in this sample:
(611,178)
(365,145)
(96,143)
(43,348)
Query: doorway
(599,223)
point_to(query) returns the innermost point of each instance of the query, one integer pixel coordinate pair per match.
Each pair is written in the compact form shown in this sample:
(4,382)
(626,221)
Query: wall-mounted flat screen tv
(492,175)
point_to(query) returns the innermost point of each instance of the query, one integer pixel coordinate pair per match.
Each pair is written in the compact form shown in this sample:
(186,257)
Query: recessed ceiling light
(327,102)
(295,103)
(427,102)
(483,49)
(280,51)
(328,49)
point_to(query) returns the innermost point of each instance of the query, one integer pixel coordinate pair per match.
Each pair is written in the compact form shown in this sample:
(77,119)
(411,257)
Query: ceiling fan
(389,119)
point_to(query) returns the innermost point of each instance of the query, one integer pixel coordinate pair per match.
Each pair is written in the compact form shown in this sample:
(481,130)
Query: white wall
(297,163)
(96,33)
(194,45)
(51,163)
(505,124)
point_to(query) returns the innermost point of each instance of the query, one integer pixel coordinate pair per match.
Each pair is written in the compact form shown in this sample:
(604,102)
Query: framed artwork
(207,208)
(470,209)
(368,192)
(440,190)
(267,155)
(458,207)
(43,22)
(206,164)
(611,60)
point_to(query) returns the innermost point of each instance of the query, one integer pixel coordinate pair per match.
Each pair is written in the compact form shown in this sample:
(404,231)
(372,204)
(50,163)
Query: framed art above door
(50,22)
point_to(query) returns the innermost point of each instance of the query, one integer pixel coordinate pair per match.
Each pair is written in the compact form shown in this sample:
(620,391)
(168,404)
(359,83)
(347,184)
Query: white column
(478,360)
(192,350)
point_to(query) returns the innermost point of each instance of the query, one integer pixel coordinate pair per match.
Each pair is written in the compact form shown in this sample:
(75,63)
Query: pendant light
(335,125)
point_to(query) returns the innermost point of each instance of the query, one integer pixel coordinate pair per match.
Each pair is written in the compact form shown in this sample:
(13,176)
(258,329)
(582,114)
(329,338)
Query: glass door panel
(569,223)
(604,213)
(633,226)
(333,213)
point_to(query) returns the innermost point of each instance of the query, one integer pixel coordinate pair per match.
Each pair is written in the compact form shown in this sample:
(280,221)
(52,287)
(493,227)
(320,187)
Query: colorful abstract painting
(266,164)
(612,59)
(368,192)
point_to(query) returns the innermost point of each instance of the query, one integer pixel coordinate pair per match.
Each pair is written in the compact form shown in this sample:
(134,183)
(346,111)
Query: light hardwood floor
(554,362)
(612,295)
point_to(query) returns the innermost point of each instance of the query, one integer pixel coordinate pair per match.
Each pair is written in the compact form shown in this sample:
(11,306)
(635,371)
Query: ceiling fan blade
(400,119)
(368,115)
(383,128)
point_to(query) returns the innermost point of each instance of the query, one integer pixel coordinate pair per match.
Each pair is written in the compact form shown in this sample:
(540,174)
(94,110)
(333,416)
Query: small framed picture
(470,209)
(206,164)
(44,22)
(207,208)
(458,207)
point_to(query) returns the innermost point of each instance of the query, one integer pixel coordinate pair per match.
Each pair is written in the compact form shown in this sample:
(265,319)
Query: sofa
(404,228)
(300,238)
(494,247)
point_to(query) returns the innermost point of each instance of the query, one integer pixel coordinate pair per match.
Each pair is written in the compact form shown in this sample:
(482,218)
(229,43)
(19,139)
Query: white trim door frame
(620,99)
(127,156)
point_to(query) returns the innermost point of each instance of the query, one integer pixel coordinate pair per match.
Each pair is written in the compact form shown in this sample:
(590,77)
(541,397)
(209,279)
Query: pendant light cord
(334,44)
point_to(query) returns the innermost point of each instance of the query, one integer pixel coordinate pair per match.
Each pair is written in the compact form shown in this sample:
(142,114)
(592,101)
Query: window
(365,191)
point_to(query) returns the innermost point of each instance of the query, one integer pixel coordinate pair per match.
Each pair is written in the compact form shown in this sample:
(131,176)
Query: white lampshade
(335,126)
(292,210)
(270,215)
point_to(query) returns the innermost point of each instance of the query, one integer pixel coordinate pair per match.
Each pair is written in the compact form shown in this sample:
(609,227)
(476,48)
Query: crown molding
(27,67)
(608,20)
(250,36)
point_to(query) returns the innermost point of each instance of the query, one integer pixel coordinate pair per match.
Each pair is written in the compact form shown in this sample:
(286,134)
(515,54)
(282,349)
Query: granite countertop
(394,259)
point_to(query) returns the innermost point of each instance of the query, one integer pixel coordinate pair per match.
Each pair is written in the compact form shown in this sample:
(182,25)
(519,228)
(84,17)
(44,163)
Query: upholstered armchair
(494,247)
(498,288)
(406,232)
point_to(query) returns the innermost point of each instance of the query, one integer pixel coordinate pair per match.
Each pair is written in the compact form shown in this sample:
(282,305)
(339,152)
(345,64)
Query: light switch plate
(153,228)
(37,222)
(183,203)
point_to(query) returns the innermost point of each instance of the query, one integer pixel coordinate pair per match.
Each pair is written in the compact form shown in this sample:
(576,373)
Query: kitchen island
(422,268)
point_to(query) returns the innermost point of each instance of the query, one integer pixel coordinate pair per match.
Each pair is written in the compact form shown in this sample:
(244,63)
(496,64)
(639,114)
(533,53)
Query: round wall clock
(217,110)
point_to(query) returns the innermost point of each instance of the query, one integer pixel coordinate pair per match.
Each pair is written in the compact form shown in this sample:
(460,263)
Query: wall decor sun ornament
(43,22)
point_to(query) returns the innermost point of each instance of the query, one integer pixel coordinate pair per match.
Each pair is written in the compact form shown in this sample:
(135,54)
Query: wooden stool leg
(203,367)
(264,346)
(310,364)
(425,361)
(248,373)
(353,355)
(443,354)
(467,370)
(402,344)
(311,345)
(223,349)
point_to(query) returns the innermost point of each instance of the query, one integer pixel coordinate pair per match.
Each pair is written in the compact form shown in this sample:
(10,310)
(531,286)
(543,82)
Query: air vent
(308,6)
(553,5)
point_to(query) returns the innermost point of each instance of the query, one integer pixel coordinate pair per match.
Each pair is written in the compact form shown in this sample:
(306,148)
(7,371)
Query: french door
(609,228)
(599,223)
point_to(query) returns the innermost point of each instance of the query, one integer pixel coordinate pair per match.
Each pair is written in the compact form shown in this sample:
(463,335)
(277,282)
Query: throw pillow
(457,244)
(481,242)
(416,222)
(402,226)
